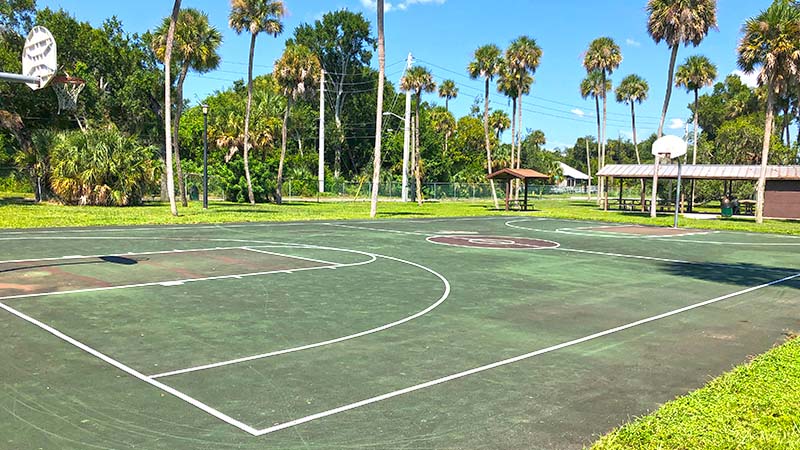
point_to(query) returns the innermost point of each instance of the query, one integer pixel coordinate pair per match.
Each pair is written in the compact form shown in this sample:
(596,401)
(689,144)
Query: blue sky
(442,34)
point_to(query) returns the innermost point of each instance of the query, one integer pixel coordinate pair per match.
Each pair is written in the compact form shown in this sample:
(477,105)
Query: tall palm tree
(296,73)
(522,57)
(634,89)
(499,122)
(770,43)
(448,91)
(677,22)
(594,86)
(694,74)
(176,7)
(509,85)
(604,56)
(255,17)
(376,163)
(418,79)
(195,45)
(486,64)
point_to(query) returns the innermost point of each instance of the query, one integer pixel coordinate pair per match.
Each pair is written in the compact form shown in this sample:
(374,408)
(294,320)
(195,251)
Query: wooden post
(526,193)
(620,194)
(508,191)
(606,182)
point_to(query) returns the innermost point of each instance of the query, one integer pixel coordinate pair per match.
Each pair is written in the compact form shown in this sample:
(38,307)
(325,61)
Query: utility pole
(321,168)
(407,135)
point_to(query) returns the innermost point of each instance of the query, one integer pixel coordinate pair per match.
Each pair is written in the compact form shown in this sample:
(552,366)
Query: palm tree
(376,164)
(295,72)
(444,123)
(603,56)
(499,121)
(634,89)
(255,17)
(770,42)
(593,86)
(522,58)
(486,64)
(448,91)
(694,74)
(418,79)
(677,22)
(176,7)
(195,45)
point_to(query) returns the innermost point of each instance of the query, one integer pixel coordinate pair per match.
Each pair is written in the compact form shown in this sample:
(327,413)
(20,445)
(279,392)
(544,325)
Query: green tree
(448,91)
(604,56)
(771,43)
(694,74)
(595,86)
(255,17)
(418,79)
(195,48)
(296,73)
(486,64)
(499,122)
(444,123)
(343,43)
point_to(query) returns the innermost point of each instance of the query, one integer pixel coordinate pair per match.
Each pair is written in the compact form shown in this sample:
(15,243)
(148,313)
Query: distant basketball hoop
(67,90)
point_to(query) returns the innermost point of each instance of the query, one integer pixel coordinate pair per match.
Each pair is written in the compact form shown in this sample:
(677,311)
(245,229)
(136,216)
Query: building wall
(782,199)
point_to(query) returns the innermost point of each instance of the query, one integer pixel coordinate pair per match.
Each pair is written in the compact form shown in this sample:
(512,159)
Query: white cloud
(578,112)
(633,43)
(402,6)
(676,124)
(750,79)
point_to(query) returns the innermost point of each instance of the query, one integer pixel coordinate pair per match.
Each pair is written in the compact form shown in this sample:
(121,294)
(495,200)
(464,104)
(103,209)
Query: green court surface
(472,333)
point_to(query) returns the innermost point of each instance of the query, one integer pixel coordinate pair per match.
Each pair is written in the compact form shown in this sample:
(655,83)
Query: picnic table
(634,204)
(747,207)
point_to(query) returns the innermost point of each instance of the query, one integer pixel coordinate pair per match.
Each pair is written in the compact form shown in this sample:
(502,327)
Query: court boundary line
(518,358)
(131,371)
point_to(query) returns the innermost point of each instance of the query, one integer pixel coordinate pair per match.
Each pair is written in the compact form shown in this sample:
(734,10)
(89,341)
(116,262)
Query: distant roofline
(700,171)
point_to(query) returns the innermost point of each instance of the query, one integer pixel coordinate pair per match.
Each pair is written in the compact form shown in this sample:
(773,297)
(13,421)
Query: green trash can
(727,207)
(194,193)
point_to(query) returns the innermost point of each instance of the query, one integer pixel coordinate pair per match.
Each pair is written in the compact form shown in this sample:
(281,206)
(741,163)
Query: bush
(101,167)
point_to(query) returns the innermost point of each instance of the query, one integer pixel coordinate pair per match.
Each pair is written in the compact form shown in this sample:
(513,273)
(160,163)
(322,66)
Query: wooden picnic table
(634,204)
(748,207)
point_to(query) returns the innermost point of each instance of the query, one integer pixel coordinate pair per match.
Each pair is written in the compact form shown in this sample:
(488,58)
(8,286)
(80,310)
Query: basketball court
(446,333)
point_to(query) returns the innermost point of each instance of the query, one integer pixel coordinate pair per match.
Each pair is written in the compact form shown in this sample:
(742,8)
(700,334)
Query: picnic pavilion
(525,176)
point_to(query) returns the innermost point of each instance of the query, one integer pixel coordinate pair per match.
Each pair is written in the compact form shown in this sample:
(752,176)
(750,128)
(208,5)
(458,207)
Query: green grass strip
(755,406)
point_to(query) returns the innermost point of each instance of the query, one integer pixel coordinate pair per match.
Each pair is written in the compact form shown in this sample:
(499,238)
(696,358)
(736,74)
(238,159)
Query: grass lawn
(19,212)
(755,406)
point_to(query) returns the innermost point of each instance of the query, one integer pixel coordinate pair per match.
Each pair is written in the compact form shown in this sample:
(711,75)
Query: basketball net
(67,91)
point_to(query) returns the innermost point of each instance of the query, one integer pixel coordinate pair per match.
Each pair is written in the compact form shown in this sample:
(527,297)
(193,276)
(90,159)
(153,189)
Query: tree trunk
(284,138)
(762,178)
(519,135)
(514,141)
(417,156)
(246,152)
(337,116)
(175,143)
(167,108)
(636,149)
(603,146)
(599,148)
(376,163)
(488,141)
(694,139)
(588,170)
(670,77)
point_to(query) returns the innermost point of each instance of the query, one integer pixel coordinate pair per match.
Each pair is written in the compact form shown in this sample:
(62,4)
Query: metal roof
(573,172)
(700,172)
(506,174)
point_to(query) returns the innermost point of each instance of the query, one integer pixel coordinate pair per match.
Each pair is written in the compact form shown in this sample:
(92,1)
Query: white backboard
(39,57)
(670,147)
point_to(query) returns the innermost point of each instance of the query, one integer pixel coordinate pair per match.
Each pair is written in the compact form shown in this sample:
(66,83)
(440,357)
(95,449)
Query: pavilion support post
(604,194)
(526,193)
(620,194)
(508,192)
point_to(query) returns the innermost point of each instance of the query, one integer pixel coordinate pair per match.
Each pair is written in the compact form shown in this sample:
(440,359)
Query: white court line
(430,308)
(522,246)
(130,371)
(382,230)
(515,359)
(656,238)
(253,249)
(162,252)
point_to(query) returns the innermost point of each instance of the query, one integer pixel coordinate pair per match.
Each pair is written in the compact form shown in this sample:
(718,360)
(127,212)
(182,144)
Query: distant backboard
(669,147)
(39,57)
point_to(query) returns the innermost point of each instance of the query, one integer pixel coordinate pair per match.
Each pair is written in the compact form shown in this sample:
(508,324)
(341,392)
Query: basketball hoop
(67,90)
